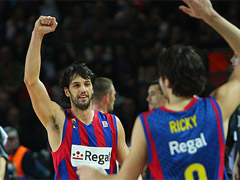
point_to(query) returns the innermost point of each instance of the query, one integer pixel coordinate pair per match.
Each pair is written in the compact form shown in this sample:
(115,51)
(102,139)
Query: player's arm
(227,95)
(236,167)
(132,166)
(203,10)
(122,148)
(137,157)
(45,109)
(3,162)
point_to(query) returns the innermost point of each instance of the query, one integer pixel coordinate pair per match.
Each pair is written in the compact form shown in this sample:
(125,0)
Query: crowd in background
(120,40)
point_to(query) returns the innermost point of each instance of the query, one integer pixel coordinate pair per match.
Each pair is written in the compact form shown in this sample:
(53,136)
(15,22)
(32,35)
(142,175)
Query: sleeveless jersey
(186,144)
(94,144)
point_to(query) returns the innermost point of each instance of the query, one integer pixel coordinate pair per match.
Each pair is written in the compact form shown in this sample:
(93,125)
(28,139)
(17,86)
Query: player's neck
(86,116)
(178,103)
(99,107)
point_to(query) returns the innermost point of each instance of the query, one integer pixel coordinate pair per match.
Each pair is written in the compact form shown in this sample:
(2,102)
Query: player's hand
(90,173)
(200,9)
(45,25)
(235,60)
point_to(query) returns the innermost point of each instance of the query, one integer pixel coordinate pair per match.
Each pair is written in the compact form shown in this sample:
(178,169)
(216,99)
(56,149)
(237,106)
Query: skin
(80,92)
(107,102)
(155,98)
(235,60)
(112,98)
(12,143)
(133,166)
(2,167)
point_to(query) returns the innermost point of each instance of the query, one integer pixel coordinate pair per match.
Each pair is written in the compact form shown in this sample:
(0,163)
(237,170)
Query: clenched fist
(45,25)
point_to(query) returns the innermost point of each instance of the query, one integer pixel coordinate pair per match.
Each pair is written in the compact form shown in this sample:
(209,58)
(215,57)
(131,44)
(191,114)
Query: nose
(83,88)
(148,98)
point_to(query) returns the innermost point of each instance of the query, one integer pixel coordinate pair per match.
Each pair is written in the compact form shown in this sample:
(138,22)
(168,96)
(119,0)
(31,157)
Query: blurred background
(118,39)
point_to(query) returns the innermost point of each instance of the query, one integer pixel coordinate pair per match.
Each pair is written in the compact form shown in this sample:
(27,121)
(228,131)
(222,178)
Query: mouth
(83,97)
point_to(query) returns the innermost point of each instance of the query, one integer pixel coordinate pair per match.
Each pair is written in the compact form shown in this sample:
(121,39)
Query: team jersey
(186,144)
(94,144)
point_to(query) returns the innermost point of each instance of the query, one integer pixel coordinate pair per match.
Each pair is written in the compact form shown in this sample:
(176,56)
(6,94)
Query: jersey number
(199,168)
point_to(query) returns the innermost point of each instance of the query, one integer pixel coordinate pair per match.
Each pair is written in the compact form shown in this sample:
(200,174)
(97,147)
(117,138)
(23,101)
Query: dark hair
(156,82)
(70,72)
(184,69)
(9,129)
(102,86)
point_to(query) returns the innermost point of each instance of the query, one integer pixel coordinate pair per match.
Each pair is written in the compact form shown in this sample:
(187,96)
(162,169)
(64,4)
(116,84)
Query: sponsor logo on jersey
(190,146)
(104,123)
(92,156)
(73,120)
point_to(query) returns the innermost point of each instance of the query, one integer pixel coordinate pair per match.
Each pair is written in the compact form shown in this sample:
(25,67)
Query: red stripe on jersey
(58,175)
(98,130)
(192,102)
(67,145)
(155,166)
(68,139)
(221,141)
(114,140)
(71,171)
(60,154)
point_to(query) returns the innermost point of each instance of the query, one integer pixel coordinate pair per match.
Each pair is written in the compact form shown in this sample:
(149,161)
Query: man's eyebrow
(74,82)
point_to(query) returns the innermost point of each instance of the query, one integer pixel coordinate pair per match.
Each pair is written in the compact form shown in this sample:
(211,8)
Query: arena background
(117,39)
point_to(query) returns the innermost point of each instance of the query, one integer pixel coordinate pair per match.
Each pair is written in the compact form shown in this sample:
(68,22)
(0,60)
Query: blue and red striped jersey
(94,144)
(186,144)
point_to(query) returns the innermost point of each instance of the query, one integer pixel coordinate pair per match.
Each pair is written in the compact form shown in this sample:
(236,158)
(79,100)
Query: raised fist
(45,24)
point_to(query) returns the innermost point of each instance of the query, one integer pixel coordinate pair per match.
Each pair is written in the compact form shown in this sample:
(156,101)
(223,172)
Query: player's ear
(106,97)
(66,91)
(167,83)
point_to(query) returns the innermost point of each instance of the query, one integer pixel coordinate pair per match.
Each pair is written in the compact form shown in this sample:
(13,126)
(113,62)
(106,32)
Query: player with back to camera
(185,138)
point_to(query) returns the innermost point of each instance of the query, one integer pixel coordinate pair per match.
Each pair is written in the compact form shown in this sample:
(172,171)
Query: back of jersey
(188,144)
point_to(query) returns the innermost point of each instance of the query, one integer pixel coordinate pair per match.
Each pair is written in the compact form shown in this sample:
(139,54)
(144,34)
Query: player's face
(81,92)
(155,98)
(112,99)
(12,143)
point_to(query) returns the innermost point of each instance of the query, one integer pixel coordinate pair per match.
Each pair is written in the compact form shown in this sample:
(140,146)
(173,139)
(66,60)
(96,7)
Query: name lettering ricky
(183,124)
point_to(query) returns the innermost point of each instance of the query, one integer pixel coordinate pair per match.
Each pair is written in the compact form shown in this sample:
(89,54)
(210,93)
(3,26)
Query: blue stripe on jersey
(107,170)
(106,131)
(55,175)
(220,114)
(91,135)
(147,139)
(75,130)
(65,126)
(115,124)
(62,168)
(75,134)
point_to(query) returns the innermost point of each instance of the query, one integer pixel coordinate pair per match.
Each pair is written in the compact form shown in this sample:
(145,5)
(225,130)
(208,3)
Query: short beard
(81,106)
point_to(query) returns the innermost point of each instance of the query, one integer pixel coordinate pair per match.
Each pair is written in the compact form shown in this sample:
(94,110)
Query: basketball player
(78,135)
(155,96)
(104,95)
(185,138)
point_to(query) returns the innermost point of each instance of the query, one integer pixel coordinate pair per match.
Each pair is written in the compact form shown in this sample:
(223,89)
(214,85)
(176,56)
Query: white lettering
(190,146)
